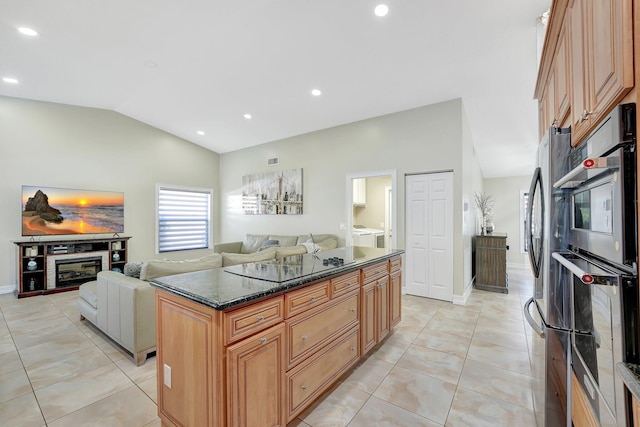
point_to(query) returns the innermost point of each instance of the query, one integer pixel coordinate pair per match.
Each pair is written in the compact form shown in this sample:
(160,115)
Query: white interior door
(429,210)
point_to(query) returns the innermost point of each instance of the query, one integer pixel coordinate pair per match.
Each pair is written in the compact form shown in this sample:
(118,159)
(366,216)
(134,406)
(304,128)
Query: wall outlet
(343,227)
(382,225)
(167,375)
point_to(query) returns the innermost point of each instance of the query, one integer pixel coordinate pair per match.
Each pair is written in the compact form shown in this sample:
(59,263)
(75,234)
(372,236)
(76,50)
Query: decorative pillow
(133,269)
(327,244)
(269,244)
(252,243)
(285,240)
(229,259)
(312,238)
(160,268)
(290,251)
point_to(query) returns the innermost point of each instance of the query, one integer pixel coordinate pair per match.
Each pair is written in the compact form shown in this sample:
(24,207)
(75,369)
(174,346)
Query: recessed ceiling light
(316,92)
(247,116)
(28,31)
(381,10)
(200,132)
(10,80)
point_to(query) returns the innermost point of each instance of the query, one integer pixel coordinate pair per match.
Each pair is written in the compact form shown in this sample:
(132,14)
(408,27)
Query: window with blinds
(183,219)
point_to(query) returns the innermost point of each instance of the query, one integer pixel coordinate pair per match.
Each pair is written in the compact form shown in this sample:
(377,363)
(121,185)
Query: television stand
(46,267)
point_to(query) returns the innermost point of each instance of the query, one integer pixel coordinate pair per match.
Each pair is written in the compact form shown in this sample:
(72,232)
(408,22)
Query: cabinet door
(610,51)
(395,298)
(562,85)
(367,317)
(256,380)
(382,308)
(601,61)
(579,61)
(187,364)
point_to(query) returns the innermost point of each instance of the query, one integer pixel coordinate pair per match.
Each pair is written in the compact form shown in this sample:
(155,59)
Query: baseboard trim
(462,299)
(6,289)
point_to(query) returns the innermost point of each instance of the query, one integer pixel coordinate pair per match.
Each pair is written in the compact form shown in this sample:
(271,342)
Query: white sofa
(123,307)
(285,245)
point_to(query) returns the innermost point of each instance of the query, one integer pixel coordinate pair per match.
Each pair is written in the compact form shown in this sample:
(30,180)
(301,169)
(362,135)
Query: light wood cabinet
(602,60)
(317,373)
(264,363)
(562,79)
(380,302)
(587,64)
(635,409)
(249,320)
(256,381)
(581,413)
(189,367)
(309,331)
(368,316)
(382,308)
(395,298)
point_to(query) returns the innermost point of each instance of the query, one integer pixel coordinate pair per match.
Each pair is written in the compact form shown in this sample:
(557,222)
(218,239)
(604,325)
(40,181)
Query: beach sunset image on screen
(47,210)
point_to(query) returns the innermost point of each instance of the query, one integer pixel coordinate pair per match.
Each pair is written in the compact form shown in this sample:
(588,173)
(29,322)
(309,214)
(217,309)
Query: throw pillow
(229,259)
(269,244)
(132,269)
(160,268)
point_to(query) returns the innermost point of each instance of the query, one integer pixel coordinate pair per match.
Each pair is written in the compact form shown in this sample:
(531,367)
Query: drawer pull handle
(263,340)
(353,310)
(260,318)
(313,298)
(353,348)
(304,338)
(304,388)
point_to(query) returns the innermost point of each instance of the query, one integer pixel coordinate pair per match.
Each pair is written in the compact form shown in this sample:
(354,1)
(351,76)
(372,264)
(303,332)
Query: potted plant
(485,203)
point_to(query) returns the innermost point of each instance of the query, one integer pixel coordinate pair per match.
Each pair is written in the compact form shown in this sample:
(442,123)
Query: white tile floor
(444,365)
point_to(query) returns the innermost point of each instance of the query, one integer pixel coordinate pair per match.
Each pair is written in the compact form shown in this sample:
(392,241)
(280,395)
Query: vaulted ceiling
(196,65)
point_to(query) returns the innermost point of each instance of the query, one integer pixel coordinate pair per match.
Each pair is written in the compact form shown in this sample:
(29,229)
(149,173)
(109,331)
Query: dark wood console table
(491,263)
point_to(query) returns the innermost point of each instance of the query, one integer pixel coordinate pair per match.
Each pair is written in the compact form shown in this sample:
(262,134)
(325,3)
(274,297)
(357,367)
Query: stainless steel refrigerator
(548,311)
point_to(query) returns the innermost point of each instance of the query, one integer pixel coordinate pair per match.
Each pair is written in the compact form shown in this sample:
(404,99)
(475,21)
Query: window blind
(183,219)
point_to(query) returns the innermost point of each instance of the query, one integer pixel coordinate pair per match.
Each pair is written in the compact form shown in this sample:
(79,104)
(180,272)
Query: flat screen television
(60,211)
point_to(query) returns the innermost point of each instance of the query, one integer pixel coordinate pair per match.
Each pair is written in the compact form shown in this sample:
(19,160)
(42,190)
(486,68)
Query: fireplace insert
(76,271)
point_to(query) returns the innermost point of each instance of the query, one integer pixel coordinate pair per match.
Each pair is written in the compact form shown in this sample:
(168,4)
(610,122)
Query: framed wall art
(273,193)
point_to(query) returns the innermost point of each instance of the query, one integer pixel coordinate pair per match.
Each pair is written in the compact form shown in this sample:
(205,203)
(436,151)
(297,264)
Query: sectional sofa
(122,305)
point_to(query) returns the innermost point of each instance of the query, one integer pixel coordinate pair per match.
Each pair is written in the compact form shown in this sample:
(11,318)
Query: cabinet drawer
(306,334)
(299,301)
(374,271)
(247,321)
(395,264)
(344,284)
(307,381)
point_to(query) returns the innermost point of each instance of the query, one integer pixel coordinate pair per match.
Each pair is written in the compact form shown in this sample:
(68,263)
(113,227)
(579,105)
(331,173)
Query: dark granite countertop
(229,287)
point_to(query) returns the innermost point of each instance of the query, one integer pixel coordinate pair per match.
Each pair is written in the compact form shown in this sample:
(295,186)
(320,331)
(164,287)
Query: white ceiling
(184,66)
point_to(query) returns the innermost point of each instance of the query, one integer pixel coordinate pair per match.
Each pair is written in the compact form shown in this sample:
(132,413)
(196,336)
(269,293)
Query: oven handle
(605,163)
(586,278)
(536,328)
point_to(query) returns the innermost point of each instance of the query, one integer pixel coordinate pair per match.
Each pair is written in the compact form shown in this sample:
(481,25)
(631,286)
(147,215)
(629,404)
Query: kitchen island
(255,344)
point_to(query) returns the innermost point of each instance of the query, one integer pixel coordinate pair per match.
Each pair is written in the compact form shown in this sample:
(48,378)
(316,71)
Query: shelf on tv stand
(45,249)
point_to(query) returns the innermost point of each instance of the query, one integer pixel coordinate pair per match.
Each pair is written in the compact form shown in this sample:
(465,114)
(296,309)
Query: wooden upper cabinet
(602,60)
(562,80)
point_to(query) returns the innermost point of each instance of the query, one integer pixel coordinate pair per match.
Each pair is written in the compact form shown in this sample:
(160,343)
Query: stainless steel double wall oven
(588,269)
